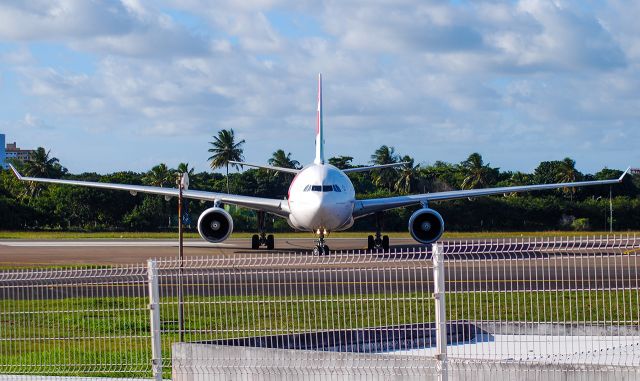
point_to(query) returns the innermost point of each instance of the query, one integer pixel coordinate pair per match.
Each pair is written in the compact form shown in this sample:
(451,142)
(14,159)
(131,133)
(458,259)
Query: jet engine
(215,225)
(426,225)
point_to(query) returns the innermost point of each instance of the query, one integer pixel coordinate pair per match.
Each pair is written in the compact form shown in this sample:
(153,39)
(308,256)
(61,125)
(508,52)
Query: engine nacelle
(215,225)
(426,225)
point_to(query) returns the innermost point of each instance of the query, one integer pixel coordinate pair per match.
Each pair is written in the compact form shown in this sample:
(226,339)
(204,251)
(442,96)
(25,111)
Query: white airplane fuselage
(321,199)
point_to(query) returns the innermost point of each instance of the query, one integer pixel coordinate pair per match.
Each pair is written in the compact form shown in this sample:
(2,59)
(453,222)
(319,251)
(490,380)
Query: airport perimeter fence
(498,309)
(545,309)
(91,322)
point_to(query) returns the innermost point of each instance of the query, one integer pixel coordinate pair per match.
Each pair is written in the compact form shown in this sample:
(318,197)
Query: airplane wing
(274,206)
(372,167)
(366,207)
(270,167)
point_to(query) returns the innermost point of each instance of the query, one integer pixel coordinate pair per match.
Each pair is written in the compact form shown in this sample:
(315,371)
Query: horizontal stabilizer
(269,167)
(373,167)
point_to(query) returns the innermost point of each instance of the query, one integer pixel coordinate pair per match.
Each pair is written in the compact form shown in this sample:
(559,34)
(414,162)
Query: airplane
(321,199)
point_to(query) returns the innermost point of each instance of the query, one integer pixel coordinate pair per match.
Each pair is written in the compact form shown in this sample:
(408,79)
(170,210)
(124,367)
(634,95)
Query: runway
(137,251)
(117,252)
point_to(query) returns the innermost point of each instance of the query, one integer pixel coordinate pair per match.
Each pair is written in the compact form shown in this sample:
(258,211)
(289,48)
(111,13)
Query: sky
(125,85)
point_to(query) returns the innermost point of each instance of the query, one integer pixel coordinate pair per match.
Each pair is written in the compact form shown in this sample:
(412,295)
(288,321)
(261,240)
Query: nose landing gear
(321,248)
(262,239)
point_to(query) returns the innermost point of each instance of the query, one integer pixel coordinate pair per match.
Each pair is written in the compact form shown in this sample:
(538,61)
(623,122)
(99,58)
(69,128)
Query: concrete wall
(200,362)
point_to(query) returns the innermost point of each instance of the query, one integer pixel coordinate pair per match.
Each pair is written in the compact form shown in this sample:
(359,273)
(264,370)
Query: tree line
(25,205)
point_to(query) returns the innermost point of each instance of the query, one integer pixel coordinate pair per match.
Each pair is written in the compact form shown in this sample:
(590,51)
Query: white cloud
(32,121)
(445,79)
(104,26)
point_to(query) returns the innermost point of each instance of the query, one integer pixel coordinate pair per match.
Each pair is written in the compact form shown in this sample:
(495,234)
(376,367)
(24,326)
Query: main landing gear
(321,248)
(379,241)
(262,239)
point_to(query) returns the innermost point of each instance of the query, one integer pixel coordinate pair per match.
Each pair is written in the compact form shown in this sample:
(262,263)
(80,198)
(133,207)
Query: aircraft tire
(325,250)
(270,242)
(385,242)
(370,243)
(255,242)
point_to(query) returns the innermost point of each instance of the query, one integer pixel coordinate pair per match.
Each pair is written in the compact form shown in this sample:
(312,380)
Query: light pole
(610,210)
(183,183)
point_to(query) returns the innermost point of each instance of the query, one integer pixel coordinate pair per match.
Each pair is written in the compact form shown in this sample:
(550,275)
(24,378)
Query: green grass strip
(110,336)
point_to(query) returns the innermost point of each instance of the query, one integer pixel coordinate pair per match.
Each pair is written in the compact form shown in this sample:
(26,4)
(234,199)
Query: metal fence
(570,307)
(75,322)
(314,308)
(466,309)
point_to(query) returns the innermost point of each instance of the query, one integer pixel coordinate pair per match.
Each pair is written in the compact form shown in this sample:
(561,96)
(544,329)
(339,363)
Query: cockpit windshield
(322,188)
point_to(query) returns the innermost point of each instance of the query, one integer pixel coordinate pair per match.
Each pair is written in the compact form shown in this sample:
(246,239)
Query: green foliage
(580,224)
(342,162)
(224,149)
(24,206)
(284,160)
(476,173)
(384,178)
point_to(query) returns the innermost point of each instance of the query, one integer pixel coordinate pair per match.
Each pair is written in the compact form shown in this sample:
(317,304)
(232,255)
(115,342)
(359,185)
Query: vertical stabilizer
(319,128)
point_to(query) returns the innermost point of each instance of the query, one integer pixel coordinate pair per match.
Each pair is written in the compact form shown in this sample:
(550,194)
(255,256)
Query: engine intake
(215,225)
(426,225)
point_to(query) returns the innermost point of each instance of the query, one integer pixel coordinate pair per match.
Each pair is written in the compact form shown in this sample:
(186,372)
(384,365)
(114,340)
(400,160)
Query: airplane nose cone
(314,212)
(320,211)
(315,205)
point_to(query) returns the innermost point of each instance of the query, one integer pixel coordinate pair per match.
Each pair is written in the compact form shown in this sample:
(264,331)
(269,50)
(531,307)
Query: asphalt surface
(233,269)
(118,252)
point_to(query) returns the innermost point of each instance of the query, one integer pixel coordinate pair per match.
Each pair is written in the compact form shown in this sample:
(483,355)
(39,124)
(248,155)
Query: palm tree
(408,174)
(384,177)
(184,168)
(41,165)
(567,173)
(476,173)
(224,150)
(280,159)
(158,176)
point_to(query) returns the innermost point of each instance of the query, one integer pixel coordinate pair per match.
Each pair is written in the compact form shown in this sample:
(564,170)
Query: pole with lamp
(610,210)
(183,184)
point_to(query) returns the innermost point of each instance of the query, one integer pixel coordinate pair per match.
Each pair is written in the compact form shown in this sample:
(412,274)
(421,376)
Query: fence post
(441,317)
(154,309)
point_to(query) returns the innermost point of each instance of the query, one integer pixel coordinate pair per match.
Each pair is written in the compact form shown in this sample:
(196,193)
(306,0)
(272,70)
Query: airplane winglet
(628,171)
(15,172)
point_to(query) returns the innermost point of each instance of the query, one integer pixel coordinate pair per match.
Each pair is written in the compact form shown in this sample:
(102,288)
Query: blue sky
(124,85)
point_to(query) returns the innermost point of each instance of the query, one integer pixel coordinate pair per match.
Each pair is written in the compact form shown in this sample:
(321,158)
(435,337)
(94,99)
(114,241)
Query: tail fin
(319,128)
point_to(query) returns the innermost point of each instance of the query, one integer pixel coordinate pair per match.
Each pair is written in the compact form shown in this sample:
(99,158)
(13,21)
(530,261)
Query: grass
(110,336)
(63,235)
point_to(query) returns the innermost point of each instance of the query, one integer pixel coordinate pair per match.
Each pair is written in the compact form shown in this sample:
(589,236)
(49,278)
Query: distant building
(3,155)
(12,152)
